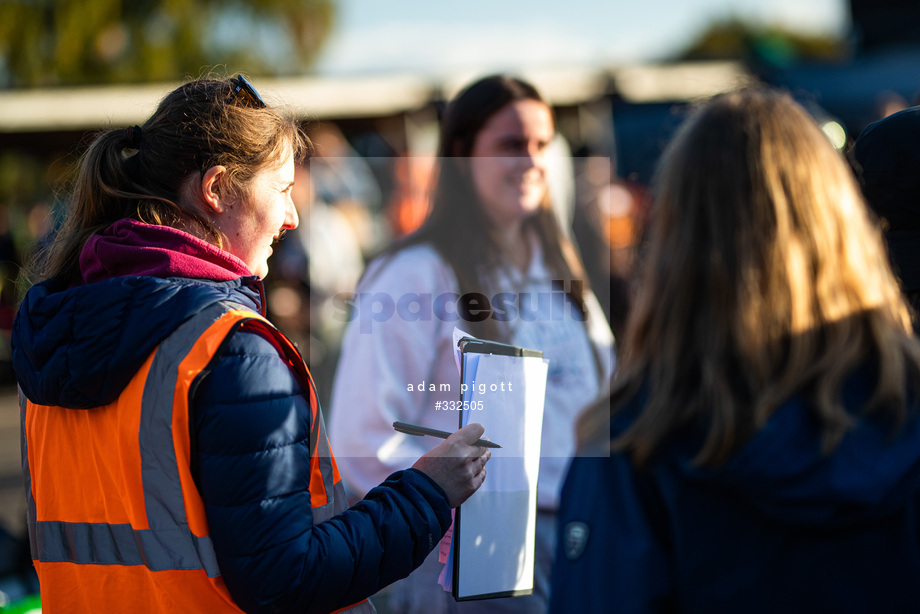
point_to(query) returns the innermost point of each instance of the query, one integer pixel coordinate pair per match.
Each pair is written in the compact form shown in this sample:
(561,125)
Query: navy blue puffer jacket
(782,526)
(78,347)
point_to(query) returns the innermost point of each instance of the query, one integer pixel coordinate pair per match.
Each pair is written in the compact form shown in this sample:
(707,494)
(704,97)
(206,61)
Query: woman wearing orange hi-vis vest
(174,453)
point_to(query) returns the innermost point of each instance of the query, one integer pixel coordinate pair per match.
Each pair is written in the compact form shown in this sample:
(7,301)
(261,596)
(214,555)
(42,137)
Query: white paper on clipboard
(492,549)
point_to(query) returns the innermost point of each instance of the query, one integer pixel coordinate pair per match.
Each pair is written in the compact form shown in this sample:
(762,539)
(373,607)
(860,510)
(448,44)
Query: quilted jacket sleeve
(251,420)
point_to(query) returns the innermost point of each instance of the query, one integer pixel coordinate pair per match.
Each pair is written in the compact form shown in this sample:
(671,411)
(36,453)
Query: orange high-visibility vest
(116,523)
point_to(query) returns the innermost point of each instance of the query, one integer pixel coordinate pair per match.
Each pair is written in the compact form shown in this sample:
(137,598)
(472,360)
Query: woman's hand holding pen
(456,465)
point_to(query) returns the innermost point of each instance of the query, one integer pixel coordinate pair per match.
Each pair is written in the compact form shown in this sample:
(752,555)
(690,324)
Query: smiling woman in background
(491,231)
(765,432)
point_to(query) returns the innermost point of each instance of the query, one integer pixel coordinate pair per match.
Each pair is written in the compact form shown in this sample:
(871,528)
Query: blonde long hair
(764,277)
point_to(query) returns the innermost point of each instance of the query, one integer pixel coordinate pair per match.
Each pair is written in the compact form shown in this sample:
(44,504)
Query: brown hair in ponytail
(137,173)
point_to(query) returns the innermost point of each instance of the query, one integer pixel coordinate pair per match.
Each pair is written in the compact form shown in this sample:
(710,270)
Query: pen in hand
(412,429)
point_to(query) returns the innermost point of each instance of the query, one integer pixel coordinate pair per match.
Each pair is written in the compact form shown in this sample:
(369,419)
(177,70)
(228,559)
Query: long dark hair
(457,225)
(137,173)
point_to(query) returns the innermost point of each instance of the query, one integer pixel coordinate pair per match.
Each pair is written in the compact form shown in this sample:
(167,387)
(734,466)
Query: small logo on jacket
(575,538)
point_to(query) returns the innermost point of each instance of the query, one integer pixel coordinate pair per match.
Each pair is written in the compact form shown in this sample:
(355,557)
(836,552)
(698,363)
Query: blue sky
(431,36)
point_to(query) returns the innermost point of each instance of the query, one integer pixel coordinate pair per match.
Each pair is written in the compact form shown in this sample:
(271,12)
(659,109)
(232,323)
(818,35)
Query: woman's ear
(210,188)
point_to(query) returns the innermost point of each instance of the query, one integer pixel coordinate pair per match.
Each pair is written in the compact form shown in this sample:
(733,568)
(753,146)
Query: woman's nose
(533,157)
(291,219)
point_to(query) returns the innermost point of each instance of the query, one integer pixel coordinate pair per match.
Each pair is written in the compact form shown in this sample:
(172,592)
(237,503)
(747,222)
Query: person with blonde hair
(761,452)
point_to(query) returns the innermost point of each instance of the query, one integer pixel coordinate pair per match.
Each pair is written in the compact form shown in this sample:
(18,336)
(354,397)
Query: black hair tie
(134,136)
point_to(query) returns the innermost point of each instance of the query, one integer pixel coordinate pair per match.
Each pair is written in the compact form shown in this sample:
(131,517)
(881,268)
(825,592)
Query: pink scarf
(129,247)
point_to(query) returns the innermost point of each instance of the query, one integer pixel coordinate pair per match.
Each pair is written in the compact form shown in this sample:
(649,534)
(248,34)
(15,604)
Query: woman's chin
(260,270)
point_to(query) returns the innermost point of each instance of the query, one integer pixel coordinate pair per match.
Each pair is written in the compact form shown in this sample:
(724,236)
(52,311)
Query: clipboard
(492,548)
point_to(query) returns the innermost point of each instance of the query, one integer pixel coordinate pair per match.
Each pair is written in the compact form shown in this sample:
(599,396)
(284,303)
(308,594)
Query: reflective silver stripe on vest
(321,449)
(336,502)
(159,468)
(168,543)
(27,474)
(86,543)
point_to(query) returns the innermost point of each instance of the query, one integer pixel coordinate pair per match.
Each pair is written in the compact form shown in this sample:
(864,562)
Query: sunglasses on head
(243,88)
